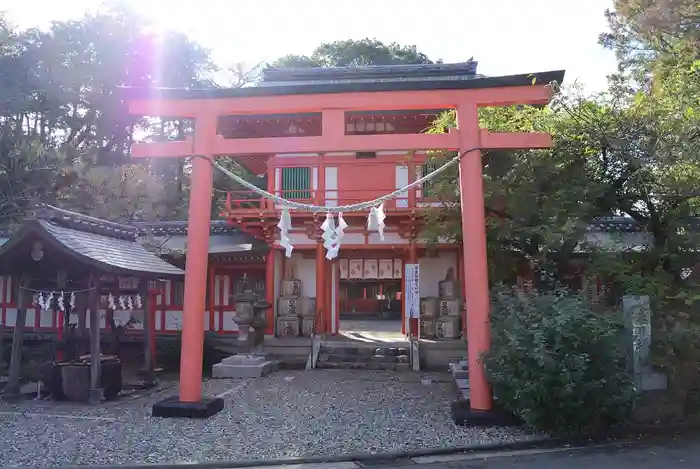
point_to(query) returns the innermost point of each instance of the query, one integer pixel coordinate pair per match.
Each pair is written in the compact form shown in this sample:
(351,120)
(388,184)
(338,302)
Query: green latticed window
(296,183)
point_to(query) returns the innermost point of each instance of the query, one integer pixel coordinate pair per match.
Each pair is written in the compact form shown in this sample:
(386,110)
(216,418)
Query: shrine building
(330,137)
(364,285)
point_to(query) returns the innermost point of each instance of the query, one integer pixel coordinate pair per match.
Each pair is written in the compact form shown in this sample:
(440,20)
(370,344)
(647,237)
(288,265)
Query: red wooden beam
(399,142)
(372,101)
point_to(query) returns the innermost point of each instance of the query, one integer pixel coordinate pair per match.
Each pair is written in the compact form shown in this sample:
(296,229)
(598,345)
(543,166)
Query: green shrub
(558,365)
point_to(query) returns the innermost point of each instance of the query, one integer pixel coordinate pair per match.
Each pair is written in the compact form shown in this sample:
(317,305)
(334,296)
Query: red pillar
(322,325)
(152,326)
(198,226)
(476,285)
(212,291)
(330,265)
(270,290)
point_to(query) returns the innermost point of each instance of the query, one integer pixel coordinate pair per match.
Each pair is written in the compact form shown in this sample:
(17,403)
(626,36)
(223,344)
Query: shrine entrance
(370,299)
(369,292)
(332,105)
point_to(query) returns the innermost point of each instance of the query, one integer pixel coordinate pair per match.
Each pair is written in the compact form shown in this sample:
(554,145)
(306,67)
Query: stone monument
(637,311)
(428,317)
(252,362)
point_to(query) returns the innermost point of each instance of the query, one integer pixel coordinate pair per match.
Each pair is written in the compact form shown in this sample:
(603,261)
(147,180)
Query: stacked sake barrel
(295,313)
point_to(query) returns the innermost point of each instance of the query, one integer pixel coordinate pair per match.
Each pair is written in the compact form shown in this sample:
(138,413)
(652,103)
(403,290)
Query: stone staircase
(358,357)
(460,374)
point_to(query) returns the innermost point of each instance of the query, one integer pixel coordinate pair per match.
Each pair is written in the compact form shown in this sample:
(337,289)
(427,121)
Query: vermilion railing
(244,200)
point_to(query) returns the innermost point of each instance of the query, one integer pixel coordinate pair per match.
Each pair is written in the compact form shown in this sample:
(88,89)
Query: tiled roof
(108,246)
(179,227)
(86,223)
(224,237)
(376,73)
(299,87)
(630,225)
(111,253)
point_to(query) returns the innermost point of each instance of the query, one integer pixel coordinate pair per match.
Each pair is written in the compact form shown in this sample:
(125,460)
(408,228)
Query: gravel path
(287,414)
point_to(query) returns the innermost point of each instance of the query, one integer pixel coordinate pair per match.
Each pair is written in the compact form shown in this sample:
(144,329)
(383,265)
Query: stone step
(357,358)
(380,366)
(459,370)
(365,351)
(344,350)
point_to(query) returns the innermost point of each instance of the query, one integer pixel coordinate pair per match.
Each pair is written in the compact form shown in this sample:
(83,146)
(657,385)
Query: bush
(558,365)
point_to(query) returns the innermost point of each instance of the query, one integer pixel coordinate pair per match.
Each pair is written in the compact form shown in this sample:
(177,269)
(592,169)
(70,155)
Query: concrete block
(238,370)
(244,360)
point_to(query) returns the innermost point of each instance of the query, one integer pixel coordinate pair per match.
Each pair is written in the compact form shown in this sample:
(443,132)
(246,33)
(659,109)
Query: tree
(645,34)
(536,202)
(60,92)
(632,151)
(354,53)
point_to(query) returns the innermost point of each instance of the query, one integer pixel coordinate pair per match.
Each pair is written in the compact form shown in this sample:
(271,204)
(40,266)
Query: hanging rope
(332,233)
(342,208)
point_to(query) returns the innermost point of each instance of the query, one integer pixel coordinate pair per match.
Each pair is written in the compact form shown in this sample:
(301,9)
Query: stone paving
(287,414)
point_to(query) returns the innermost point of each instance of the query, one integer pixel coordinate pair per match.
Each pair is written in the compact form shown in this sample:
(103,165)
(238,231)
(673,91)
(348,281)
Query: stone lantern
(250,313)
(251,362)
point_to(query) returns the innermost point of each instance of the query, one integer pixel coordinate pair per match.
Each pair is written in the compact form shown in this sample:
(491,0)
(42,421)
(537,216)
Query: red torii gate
(332,101)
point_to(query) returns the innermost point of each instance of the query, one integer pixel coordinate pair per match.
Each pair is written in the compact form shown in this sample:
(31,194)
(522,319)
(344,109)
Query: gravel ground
(287,414)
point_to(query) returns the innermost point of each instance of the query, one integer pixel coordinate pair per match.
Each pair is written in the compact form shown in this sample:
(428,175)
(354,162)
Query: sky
(504,36)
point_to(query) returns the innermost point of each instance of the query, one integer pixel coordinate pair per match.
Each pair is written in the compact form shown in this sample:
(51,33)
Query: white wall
(433,270)
(331,197)
(306,272)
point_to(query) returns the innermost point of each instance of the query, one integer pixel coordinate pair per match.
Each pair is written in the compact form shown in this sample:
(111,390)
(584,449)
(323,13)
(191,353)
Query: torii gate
(332,101)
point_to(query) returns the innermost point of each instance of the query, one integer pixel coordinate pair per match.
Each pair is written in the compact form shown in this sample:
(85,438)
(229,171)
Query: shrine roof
(395,73)
(433,79)
(108,246)
(172,236)
(179,227)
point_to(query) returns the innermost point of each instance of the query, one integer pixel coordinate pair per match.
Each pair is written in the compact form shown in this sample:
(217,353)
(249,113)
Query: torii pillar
(476,282)
(191,403)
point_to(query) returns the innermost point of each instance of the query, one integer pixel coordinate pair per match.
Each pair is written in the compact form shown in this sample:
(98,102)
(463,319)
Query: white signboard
(412,292)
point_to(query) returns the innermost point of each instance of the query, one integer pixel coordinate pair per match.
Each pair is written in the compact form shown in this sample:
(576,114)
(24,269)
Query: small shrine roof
(108,246)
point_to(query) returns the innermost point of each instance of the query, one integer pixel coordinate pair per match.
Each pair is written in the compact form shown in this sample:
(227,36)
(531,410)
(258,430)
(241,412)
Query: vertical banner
(412,294)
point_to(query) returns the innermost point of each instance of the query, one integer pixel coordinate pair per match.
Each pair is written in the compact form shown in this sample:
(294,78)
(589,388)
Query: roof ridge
(275,74)
(86,223)
(174,227)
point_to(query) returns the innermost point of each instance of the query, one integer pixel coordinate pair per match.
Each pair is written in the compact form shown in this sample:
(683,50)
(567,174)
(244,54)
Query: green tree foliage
(632,151)
(559,365)
(63,119)
(354,53)
(532,215)
(647,33)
